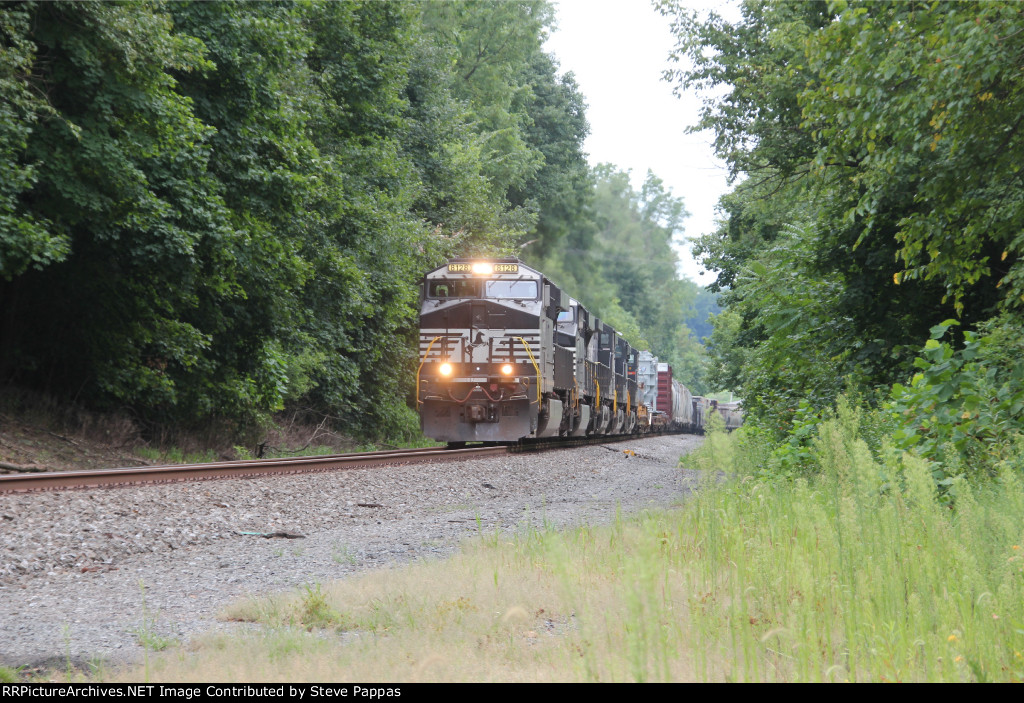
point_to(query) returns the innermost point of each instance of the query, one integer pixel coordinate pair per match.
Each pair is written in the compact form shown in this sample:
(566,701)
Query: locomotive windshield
(510,289)
(470,288)
(454,289)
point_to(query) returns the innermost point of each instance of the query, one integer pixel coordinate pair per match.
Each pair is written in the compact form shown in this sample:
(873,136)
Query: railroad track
(65,480)
(133,476)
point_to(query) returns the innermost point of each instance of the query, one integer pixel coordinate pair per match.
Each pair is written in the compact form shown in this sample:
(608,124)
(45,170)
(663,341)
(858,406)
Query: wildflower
(952,638)
(959,659)
(994,616)
(1015,547)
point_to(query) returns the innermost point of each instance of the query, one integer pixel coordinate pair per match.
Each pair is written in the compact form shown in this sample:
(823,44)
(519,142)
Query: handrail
(425,355)
(536,368)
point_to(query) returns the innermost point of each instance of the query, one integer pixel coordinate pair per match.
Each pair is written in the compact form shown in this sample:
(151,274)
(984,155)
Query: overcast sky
(617,50)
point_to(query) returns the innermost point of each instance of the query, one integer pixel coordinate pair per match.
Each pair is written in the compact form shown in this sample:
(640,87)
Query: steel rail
(251,468)
(133,476)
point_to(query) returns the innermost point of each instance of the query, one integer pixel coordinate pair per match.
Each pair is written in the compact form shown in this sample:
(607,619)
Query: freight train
(505,354)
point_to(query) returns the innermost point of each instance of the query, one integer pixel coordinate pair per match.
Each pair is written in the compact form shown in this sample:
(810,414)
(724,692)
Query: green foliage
(26,239)
(130,313)
(705,309)
(928,100)
(364,244)
(783,337)
(494,41)
(315,609)
(794,456)
(961,410)
(493,47)
(453,194)
(562,188)
(880,146)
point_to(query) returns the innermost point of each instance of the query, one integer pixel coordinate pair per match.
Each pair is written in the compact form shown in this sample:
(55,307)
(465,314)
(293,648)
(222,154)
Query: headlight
(507,369)
(483,268)
(446,369)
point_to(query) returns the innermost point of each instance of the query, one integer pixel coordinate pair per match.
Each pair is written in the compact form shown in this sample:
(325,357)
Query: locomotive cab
(574,332)
(623,407)
(608,399)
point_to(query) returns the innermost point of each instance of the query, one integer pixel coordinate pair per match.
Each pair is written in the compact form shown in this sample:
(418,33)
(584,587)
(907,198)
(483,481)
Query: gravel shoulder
(83,573)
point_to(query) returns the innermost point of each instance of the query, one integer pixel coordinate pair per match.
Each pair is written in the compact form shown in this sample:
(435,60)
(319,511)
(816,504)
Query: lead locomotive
(506,354)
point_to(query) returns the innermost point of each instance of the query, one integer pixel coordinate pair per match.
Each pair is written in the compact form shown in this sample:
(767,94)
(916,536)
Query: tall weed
(860,570)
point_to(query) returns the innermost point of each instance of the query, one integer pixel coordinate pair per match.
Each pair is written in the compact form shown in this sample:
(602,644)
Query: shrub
(963,409)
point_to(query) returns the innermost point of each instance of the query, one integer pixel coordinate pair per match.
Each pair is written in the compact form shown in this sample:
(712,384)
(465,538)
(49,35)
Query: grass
(342,554)
(153,642)
(859,574)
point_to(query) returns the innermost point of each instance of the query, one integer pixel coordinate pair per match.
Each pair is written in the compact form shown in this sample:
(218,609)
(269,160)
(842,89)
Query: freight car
(506,354)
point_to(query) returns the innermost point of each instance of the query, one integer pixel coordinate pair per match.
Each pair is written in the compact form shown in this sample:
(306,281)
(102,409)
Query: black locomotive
(506,354)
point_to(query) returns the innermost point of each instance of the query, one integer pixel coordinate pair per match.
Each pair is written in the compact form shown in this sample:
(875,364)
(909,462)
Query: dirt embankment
(42,436)
(26,446)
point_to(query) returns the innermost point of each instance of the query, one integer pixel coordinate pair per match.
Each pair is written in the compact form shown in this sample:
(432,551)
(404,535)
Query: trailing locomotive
(506,354)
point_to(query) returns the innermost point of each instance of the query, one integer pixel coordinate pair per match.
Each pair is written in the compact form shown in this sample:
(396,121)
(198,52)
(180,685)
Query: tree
(823,107)
(929,103)
(561,190)
(493,41)
(113,164)
(261,155)
(705,307)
